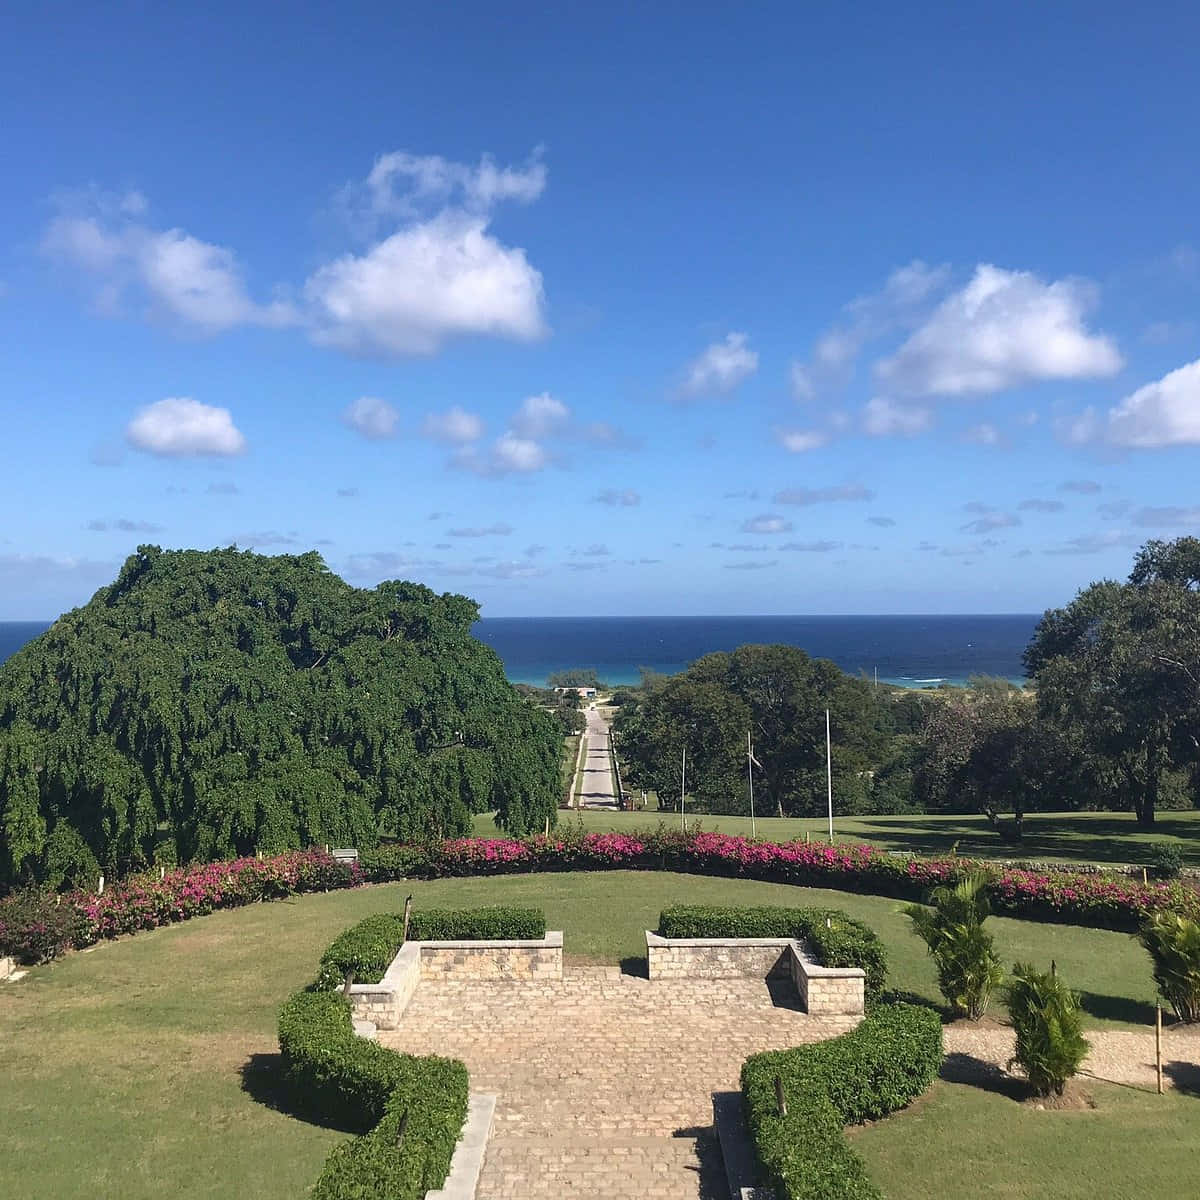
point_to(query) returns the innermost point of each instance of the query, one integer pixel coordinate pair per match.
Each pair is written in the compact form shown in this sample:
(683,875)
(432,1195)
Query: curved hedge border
(146,901)
(883,1065)
(368,948)
(836,939)
(358,1084)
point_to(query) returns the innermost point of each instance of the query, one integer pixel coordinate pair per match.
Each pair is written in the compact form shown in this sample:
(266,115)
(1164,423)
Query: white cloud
(1092,543)
(499,529)
(904,294)
(540,416)
(825,495)
(719,368)
(983,434)
(989,520)
(886,418)
(1003,329)
(618,498)
(435,280)
(1163,413)
(508,455)
(194,283)
(800,440)
(179,427)
(1042,506)
(1084,487)
(373,418)
(1168,517)
(819,547)
(767,523)
(454,425)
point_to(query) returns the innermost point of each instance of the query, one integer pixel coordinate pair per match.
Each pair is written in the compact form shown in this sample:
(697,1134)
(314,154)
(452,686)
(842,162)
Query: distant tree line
(1110,719)
(215,703)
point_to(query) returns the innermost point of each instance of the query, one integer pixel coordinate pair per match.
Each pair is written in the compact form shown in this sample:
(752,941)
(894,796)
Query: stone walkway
(605,1080)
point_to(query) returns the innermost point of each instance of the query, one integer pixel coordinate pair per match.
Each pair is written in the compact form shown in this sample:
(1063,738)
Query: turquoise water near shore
(913,651)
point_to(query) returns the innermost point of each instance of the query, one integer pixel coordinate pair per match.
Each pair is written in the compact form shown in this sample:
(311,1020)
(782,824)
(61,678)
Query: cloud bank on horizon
(720,379)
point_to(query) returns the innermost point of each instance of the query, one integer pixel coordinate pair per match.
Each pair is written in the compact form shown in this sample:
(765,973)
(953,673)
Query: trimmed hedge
(357,1084)
(884,1064)
(836,939)
(368,948)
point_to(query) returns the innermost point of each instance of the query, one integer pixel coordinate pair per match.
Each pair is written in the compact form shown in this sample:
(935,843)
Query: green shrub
(834,938)
(37,926)
(1165,860)
(369,947)
(890,1059)
(967,966)
(1174,945)
(357,1084)
(1048,1021)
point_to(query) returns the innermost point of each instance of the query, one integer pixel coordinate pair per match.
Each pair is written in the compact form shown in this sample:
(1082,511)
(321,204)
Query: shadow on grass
(263,1081)
(1184,1075)
(976,1072)
(1117,1008)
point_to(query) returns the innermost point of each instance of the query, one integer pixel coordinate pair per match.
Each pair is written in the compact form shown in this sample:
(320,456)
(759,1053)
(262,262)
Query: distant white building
(586,692)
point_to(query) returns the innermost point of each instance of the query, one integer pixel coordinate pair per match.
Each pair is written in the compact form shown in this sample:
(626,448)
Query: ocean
(912,651)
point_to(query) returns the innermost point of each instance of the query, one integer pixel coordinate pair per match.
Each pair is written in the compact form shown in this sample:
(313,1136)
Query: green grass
(123,1067)
(964,1141)
(1064,837)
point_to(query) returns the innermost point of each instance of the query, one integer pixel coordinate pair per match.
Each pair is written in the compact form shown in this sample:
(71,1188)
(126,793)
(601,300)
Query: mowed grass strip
(1049,837)
(148,1064)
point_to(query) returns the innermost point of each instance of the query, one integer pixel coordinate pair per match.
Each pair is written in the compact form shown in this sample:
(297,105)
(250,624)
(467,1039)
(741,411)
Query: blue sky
(587,309)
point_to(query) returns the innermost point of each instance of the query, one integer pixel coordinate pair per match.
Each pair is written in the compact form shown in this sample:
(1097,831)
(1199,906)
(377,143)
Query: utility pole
(829,772)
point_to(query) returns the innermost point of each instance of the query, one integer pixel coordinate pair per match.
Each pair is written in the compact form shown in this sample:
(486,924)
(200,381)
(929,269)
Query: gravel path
(1117,1056)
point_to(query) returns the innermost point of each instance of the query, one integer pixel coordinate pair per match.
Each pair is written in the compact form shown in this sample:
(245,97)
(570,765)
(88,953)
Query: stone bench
(383,1003)
(824,991)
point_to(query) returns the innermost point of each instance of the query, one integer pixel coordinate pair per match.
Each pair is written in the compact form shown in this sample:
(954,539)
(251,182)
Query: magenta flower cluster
(148,901)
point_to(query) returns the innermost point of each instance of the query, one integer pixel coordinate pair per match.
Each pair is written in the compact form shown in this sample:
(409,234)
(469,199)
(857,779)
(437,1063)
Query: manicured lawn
(965,1141)
(123,1067)
(1078,837)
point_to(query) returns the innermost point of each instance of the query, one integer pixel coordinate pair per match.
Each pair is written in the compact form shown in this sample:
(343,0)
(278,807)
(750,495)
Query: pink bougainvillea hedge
(32,932)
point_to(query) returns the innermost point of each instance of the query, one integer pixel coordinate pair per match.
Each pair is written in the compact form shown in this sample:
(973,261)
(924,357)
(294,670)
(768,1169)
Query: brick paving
(605,1080)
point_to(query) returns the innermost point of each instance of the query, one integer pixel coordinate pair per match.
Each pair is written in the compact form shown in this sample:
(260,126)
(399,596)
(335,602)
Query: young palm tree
(952,928)
(1174,945)
(1048,1023)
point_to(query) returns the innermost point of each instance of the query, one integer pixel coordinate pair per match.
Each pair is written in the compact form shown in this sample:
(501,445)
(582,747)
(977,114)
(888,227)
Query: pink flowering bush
(1105,901)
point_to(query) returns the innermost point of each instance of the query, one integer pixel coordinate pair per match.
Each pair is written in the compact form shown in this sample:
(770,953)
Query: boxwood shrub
(369,947)
(884,1064)
(359,1085)
(836,939)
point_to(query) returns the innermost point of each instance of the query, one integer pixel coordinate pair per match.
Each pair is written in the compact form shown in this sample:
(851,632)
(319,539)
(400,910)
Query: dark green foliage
(211,704)
(779,695)
(36,926)
(575,677)
(889,1060)
(836,939)
(369,947)
(1173,942)
(952,928)
(1115,673)
(1048,1022)
(1165,859)
(356,1084)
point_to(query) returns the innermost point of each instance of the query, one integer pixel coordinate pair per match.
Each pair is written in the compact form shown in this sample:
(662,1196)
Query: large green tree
(1118,672)
(779,695)
(213,703)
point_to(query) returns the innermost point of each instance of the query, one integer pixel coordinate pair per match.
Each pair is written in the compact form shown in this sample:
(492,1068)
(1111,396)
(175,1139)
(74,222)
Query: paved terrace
(605,1080)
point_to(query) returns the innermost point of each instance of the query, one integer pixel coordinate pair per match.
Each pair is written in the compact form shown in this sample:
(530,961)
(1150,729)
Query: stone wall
(517,960)
(824,991)
(383,1003)
(717,958)
(7,967)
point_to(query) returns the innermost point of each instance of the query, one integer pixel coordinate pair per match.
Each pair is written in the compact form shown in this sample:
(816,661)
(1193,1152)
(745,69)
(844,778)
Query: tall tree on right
(1118,671)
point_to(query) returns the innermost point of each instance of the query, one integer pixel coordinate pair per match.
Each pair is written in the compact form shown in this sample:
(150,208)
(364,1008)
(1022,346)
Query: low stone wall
(518,960)
(717,958)
(383,1003)
(824,991)
(7,967)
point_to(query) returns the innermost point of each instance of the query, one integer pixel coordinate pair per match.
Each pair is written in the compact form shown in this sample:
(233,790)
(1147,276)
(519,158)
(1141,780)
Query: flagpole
(750,773)
(829,772)
(682,790)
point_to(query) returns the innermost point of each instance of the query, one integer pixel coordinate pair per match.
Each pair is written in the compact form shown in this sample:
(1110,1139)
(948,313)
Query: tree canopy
(1118,672)
(216,703)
